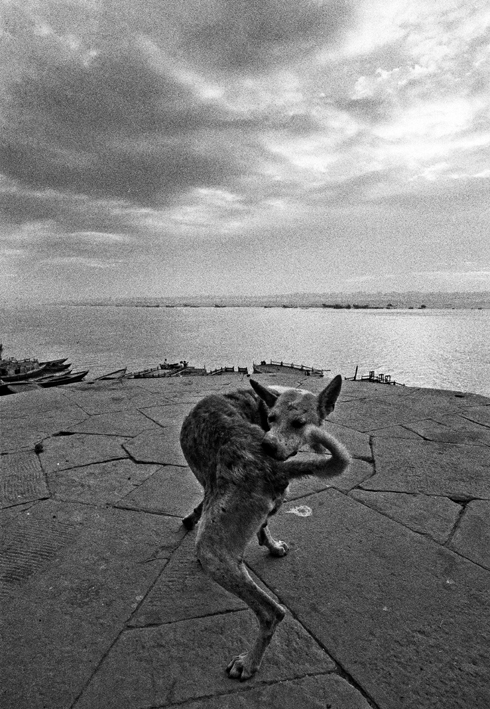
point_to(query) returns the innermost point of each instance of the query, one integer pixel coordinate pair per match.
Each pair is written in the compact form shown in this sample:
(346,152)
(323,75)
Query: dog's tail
(320,466)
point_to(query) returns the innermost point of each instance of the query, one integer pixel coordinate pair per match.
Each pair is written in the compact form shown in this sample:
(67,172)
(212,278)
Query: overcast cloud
(237,146)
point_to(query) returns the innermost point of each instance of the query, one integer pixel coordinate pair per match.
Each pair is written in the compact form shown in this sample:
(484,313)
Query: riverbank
(358,300)
(386,583)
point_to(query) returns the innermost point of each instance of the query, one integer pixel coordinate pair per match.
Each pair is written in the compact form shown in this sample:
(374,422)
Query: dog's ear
(265,394)
(328,397)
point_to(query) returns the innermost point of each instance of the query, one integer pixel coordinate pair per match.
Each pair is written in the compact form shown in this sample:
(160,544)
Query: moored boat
(54,362)
(18,387)
(22,376)
(116,374)
(55,368)
(61,380)
(4,388)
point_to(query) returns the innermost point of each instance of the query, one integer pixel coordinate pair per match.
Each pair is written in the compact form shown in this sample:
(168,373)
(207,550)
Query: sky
(243,147)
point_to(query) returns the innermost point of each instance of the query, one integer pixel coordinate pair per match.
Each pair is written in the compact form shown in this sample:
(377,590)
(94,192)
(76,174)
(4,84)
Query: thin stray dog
(240,447)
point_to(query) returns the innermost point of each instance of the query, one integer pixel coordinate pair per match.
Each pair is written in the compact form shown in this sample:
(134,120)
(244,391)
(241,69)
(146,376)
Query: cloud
(108,130)
(244,36)
(138,130)
(113,118)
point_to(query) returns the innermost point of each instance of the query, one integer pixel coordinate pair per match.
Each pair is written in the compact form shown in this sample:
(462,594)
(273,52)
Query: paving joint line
(341,671)
(151,587)
(119,634)
(152,626)
(241,688)
(85,465)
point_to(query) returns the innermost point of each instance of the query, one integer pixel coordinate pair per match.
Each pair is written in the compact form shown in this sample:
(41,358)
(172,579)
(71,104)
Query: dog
(240,447)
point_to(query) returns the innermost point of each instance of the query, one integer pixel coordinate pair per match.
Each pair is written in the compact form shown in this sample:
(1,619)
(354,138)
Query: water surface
(432,348)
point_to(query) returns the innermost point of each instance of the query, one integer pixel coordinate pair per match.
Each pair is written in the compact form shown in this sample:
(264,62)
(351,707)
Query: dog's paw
(241,667)
(279,549)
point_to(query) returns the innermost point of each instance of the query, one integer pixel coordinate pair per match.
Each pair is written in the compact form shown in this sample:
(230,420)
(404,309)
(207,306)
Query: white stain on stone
(301,511)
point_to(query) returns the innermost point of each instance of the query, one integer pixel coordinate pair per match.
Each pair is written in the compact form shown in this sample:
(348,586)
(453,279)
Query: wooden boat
(22,376)
(52,375)
(54,362)
(276,367)
(61,380)
(116,374)
(18,387)
(55,368)
(5,388)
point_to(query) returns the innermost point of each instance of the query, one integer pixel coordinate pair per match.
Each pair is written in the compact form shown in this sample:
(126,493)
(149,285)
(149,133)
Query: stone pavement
(104,605)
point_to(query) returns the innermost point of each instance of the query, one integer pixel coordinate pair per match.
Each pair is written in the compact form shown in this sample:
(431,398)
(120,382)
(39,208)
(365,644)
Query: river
(446,349)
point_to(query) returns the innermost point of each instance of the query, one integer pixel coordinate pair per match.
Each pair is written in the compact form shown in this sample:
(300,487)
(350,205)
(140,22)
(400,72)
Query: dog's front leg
(221,558)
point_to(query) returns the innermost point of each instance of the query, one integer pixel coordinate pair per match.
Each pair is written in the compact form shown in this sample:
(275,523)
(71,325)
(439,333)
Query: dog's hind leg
(193,518)
(220,546)
(276,548)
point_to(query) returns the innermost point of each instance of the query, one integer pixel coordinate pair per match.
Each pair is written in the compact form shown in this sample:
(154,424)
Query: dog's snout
(274,448)
(270,445)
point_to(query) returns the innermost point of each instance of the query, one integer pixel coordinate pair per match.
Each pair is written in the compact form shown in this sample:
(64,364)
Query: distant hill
(393,300)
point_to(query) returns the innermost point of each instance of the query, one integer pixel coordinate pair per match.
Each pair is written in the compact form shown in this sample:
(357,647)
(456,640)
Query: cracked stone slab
(356,443)
(170,490)
(363,389)
(168,414)
(452,429)
(373,414)
(181,391)
(24,432)
(183,388)
(381,412)
(479,414)
(102,398)
(117,423)
(21,479)
(317,692)
(472,537)
(100,483)
(407,619)
(33,403)
(71,575)
(395,432)
(434,516)
(186,660)
(9,514)
(139,387)
(18,434)
(184,591)
(357,472)
(157,446)
(72,451)
(446,399)
(52,421)
(456,471)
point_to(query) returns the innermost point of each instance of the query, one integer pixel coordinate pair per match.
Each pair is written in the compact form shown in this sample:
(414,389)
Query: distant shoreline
(361,300)
(332,306)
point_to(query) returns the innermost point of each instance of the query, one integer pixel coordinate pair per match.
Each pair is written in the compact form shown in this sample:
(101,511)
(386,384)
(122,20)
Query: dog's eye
(297,423)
